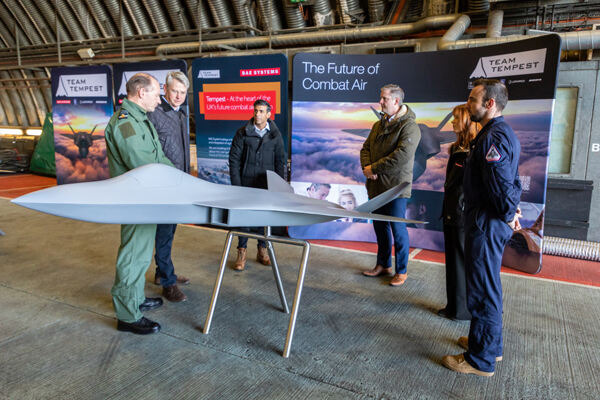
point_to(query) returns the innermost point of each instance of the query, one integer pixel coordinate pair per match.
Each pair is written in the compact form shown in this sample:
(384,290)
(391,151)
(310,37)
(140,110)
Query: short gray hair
(395,91)
(137,82)
(178,75)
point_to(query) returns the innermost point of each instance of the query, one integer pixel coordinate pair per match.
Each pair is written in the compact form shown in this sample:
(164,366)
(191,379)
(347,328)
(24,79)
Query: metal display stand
(268,238)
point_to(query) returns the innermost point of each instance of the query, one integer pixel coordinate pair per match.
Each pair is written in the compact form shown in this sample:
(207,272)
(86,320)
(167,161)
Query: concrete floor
(355,337)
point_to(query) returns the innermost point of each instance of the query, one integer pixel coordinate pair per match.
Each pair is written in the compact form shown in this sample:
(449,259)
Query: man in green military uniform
(131,142)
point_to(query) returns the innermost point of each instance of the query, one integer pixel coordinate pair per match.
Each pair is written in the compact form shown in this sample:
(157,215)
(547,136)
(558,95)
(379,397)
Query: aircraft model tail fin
(275,183)
(382,199)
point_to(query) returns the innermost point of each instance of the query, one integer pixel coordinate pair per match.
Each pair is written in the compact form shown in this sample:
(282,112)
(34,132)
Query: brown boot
(262,255)
(379,270)
(240,263)
(173,294)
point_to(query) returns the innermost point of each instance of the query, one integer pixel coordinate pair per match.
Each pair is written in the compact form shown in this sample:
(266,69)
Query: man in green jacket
(387,159)
(131,142)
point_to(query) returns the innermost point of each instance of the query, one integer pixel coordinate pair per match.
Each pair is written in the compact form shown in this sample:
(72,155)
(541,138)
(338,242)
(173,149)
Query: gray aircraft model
(159,194)
(83,140)
(429,146)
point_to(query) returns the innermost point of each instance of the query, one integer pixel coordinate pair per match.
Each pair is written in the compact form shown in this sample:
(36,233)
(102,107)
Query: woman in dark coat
(452,214)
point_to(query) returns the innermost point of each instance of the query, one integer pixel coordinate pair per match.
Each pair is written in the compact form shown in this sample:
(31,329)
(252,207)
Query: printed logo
(209,73)
(160,75)
(493,155)
(92,85)
(260,72)
(523,63)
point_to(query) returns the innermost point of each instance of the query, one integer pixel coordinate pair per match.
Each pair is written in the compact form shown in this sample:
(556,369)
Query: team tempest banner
(335,103)
(81,108)
(225,89)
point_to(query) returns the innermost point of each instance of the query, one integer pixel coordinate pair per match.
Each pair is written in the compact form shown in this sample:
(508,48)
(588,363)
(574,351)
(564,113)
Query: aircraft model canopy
(159,194)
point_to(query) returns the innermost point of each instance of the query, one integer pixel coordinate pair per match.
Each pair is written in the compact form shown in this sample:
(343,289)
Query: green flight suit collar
(134,110)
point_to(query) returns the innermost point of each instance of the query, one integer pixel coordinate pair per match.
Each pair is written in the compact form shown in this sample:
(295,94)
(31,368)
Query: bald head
(143,89)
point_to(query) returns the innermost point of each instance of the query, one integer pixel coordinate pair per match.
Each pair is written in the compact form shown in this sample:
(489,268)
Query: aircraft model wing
(358,132)
(159,194)
(275,183)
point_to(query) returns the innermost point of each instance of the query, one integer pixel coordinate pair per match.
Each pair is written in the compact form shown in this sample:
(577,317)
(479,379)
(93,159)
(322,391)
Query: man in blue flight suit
(492,191)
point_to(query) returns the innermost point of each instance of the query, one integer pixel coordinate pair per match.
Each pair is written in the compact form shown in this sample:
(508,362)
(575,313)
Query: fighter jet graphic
(159,194)
(83,140)
(429,146)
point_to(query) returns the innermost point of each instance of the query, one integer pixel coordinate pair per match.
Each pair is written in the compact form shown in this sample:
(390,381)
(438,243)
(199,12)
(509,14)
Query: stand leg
(277,277)
(299,285)
(213,301)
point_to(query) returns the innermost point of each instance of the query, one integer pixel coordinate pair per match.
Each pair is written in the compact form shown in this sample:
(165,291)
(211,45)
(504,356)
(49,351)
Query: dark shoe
(444,313)
(398,279)
(173,294)
(378,271)
(143,326)
(182,280)
(262,255)
(463,342)
(240,263)
(151,303)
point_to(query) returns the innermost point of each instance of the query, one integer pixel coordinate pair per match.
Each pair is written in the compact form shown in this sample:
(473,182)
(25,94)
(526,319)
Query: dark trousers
(164,265)
(388,231)
(456,282)
(243,241)
(485,238)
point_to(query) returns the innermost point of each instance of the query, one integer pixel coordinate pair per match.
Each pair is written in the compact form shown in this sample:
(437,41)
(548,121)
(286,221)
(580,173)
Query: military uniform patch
(127,130)
(493,155)
(123,114)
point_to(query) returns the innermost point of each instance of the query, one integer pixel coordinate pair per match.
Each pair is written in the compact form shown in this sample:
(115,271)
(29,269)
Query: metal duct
(36,95)
(178,15)
(113,10)
(2,114)
(47,10)
(105,23)
(376,10)
(478,5)
(294,17)
(220,13)
(156,13)
(244,12)
(15,100)
(71,22)
(322,13)
(26,98)
(83,16)
(572,248)
(24,21)
(204,17)
(350,12)
(314,37)
(454,32)
(578,40)
(494,27)
(269,16)
(11,24)
(7,37)
(140,18)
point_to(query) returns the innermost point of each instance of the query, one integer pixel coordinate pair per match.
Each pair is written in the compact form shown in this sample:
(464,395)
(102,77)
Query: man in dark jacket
(492,191)
(171,122)
(387,159)
(256,148)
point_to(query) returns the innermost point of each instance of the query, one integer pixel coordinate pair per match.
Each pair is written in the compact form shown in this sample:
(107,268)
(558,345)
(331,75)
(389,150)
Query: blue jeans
(243,241)
(388,231)
(164,265)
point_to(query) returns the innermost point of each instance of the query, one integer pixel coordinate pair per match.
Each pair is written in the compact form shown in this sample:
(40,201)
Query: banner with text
(335,104)
(225,89)
(81,108)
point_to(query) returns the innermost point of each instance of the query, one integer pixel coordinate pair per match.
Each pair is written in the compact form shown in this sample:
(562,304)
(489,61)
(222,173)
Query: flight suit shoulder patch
(126,130)
(123,114)
(493,155)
